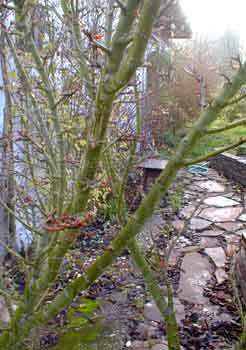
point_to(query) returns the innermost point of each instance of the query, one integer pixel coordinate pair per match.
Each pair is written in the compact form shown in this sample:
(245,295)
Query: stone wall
(231,166)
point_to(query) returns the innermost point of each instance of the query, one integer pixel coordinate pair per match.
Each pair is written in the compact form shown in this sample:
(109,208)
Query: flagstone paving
(213,217)
(223,215)
(210,224)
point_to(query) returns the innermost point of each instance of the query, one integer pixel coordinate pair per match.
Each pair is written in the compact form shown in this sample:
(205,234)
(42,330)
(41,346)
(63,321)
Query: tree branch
(226,127)
(77,39)
(158,295)
(96,43)
(240,98)
(133,59)
(121,5)
(215,153)
(136,222)
(28,227)
(28,87)
(56,121)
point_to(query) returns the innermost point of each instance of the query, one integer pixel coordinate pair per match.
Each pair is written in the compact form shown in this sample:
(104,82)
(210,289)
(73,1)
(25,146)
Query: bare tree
(67,89)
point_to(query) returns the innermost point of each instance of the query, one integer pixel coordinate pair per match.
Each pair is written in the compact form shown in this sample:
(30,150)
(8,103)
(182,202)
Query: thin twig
(27,226)
(240,122)
(215,153)
(12,252)
(236,100)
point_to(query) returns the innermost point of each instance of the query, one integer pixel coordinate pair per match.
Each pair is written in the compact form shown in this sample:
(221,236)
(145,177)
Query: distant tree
(171,25)
(7,220)
(227,49)
(195,78)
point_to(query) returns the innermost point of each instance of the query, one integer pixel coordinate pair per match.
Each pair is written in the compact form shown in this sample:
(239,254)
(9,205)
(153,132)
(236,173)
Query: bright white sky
(214,16)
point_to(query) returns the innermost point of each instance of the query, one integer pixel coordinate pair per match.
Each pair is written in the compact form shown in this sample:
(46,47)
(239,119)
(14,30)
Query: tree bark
(7,228)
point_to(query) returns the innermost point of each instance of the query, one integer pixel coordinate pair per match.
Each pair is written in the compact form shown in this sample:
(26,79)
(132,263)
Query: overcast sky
(214,16)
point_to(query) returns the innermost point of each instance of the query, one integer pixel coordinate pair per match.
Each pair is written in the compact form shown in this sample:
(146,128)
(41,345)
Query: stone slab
(220,201)
(198,224)
(220,275)
(188,211)
(218,256)
(195,273)
(230,226)
(209,242)
(212,233)
(243,217)
(221,214)
(211,186)
(152,313)
(158,164)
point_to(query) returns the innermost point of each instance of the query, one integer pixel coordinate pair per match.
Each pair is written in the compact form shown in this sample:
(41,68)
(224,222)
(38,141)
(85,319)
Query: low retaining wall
(232,167)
